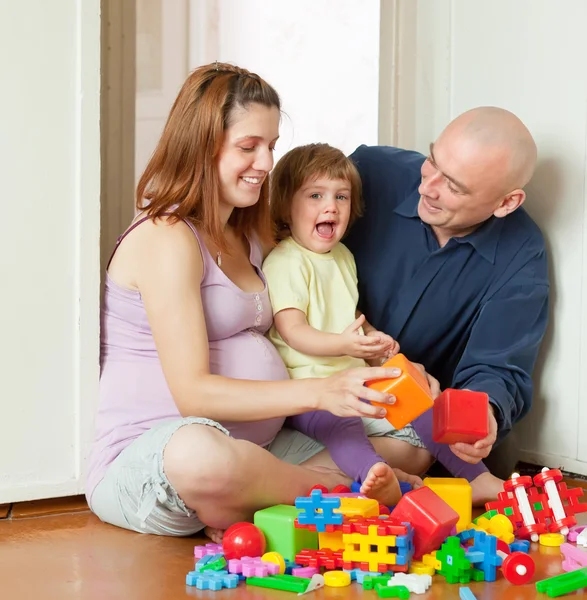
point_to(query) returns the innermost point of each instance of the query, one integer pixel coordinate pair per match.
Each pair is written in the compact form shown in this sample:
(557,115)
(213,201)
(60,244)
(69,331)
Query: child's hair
(183,169)
(302,163)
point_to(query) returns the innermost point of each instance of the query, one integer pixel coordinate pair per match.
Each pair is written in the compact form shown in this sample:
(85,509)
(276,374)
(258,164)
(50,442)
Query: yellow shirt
(324,288)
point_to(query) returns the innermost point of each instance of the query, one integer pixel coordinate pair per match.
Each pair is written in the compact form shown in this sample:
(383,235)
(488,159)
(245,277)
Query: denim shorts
(135,493)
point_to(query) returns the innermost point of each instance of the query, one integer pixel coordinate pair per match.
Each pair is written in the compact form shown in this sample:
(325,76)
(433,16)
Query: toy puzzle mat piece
(411,391)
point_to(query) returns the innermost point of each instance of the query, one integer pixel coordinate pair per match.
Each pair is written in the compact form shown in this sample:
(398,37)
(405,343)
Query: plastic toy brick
(386,591)
(371,548)
(318,511)
(332,540)
(359,575)
(486,515)
(252,567)
(326,558)
(574,558)
(357,507)
(460,416)
(211,562)
(520,546)
(457,494)
(287,583)
(487,544)
(211,580)
(278,525)
(304,572)
(465,593)
(371,581)
(200,551)
(574,533)
(563,584)
(455,567)
(411,390)
(415,583)
(431,517)
(420,568)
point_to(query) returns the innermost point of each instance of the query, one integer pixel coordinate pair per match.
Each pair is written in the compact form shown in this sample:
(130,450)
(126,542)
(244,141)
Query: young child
(312,280)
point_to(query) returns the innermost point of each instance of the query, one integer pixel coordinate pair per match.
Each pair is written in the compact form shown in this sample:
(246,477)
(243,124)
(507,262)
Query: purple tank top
(134,395)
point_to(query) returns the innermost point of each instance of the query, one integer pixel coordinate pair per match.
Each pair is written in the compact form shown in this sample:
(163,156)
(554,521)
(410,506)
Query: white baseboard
(543,459)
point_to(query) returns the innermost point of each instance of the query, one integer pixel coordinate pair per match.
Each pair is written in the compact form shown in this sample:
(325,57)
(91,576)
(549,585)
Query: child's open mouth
(326,229)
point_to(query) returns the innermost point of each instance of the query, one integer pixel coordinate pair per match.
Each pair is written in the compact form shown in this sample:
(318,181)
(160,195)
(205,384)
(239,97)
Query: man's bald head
(499,134)
(476,169)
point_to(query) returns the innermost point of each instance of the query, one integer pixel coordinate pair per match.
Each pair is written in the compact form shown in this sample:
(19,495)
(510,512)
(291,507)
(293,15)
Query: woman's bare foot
(413,480)
(329,477)
(382,484)
(214,534)
(485,488)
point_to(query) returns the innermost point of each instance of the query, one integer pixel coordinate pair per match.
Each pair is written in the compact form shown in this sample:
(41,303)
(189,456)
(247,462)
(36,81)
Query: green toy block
(396,591)
(487,515)
(371,581)
(287,583)
(277,523)
(563,584)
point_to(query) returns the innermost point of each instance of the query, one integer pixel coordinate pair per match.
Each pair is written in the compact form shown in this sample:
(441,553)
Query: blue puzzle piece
(209,558)
(289,565)
(211,580)
(520,546)
(465,593)
(316,502)
(360,576)
(487,545)
(466,535)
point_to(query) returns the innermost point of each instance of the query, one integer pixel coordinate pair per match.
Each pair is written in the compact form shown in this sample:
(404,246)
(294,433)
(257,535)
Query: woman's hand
(341,393)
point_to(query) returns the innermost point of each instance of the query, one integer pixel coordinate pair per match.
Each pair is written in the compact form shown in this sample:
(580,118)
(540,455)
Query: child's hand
(367,347)
(391,345)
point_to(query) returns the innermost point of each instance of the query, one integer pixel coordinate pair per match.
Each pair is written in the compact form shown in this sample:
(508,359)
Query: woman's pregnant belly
(249,355)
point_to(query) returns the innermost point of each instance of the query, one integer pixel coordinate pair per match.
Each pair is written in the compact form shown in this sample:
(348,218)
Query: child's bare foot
(382,485)
(214,534)
(485,488)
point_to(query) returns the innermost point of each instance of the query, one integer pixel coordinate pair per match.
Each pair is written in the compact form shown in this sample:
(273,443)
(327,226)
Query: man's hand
(473,453)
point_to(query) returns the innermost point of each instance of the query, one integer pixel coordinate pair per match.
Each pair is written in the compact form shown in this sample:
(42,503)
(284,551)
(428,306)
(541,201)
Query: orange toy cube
(411,391)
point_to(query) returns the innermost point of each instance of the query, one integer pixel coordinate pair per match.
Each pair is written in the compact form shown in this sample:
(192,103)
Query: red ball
(243,539)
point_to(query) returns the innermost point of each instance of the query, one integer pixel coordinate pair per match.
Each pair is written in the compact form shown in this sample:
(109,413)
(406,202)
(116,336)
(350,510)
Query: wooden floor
(75,556)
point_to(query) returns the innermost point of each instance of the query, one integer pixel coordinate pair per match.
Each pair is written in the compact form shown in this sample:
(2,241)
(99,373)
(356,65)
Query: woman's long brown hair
(181,178)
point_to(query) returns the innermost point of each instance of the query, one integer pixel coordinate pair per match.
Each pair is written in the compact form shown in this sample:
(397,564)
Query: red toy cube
(431,517)
(460,416)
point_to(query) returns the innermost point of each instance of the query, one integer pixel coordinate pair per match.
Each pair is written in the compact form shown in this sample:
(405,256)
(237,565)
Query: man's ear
(509,203)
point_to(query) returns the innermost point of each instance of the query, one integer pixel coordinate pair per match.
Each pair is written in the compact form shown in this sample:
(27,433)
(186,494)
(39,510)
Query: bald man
(452,266)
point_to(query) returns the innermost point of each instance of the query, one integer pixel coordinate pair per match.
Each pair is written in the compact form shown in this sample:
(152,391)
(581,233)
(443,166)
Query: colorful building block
(460,416)
(332,540)
(378,551)
(563,584)
(487,546)
(457,494)
(211,580)
(287,583)
(411,391)
(318,512)
(200,551)
(455,567)
(277,523)
(431,517)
